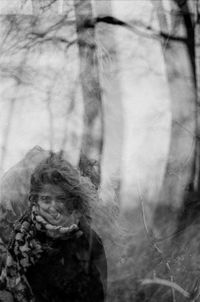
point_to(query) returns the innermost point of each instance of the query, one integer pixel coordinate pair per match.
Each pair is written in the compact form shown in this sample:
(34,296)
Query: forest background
(118,81)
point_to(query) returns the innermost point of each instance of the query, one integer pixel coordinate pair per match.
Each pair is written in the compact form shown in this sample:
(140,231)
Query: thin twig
(153,243)
(168,283)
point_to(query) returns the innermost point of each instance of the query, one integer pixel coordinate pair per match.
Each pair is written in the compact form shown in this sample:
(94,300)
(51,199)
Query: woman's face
(52,205)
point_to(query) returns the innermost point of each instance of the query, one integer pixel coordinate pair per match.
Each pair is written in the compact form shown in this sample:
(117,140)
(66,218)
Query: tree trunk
(92,141)
(197,65)
(179,55)
(180,67)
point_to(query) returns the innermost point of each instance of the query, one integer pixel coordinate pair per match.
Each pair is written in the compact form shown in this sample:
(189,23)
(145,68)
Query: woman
(54,255)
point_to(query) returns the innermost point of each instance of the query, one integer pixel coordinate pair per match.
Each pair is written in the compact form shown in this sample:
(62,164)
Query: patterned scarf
(24,250)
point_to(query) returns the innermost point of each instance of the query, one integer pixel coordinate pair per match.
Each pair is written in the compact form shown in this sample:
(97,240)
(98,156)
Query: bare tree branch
(191,296)
(167,283)
(143,30)
(150,236)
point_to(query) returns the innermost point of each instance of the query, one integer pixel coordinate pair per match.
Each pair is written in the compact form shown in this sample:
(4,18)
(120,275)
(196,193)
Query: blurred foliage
(141,260)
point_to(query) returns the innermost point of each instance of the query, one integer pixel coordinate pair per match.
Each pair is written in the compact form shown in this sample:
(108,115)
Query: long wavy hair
(58,171)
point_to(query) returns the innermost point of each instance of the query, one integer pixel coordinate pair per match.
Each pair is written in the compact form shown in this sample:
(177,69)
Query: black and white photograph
(99,150)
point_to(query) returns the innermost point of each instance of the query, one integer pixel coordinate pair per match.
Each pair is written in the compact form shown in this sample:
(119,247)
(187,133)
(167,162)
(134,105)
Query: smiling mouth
(55,216)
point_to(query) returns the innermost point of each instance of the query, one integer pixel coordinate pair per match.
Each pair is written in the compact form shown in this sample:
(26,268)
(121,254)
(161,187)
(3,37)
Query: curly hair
(58,171)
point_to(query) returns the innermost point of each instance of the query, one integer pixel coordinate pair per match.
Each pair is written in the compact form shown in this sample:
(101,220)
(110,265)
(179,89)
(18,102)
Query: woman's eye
(45,198)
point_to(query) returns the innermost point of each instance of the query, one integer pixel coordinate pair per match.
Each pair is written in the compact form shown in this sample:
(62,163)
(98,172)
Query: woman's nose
(53,206)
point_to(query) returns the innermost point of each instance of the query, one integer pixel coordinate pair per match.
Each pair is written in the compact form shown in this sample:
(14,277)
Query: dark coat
(72,270)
